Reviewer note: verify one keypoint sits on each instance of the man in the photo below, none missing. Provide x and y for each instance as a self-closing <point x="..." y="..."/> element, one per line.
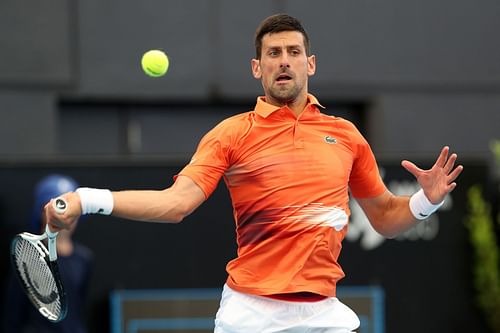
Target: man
<point x="288" y="168"/>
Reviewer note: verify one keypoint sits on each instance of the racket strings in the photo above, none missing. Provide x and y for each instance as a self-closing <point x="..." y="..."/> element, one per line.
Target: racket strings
<point x="37" y="277"/>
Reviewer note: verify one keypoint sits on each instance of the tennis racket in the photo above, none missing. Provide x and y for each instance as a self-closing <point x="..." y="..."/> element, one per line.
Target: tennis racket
<point x="37" y="270"/>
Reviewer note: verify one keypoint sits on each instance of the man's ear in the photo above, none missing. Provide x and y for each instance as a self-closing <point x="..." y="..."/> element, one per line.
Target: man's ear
<point x="311" y="65"/>
<point x="256" y="69"/>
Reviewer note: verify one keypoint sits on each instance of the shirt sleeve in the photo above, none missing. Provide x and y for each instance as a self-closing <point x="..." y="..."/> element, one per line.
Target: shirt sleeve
<point x="210" y="160"/>
<point x="365" y="180"/>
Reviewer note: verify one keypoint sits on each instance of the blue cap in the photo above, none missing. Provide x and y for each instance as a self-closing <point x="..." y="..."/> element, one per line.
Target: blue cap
<point x="47" y="188"/>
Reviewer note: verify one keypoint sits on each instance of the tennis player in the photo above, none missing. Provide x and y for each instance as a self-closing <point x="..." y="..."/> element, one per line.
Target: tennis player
<point x="288" y="168"/>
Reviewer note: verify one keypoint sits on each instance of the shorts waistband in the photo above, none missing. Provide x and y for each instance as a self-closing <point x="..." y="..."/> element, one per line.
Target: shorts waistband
<point x="303" y="296"/>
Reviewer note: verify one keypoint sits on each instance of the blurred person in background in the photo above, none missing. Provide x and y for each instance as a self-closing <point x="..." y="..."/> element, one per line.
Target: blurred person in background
<point x="74" y="261"/>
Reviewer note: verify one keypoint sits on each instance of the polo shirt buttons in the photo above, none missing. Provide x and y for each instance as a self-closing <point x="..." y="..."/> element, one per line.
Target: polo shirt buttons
<point x="299" y="143"/>
<point x="298" y="140"/>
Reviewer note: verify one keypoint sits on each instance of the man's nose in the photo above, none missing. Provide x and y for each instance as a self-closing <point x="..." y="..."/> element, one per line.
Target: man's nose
<point x="284" y="61"/>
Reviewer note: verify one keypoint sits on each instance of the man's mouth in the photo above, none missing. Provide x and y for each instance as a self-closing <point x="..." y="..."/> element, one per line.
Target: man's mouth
<point x="283" y="77"/>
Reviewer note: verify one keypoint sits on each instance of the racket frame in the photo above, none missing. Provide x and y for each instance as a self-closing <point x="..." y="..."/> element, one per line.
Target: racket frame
<point x="50" y="257"/>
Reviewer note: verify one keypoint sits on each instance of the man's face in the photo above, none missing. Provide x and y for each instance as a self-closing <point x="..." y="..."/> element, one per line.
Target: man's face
<point x="284" y="67"/>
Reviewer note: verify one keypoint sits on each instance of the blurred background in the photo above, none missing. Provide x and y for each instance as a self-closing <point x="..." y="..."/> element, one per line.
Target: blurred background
<point x="413" y="75"/>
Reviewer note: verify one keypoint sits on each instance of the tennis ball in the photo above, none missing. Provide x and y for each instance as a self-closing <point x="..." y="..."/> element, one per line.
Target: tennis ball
<point x="155" y="63"/>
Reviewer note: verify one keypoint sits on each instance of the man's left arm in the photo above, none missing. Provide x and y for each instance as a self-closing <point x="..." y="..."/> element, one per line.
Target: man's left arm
<point x="391" y="215"/>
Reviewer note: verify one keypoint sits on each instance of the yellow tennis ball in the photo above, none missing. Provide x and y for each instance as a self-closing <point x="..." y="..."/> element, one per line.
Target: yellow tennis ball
<point x="155" y="63"/>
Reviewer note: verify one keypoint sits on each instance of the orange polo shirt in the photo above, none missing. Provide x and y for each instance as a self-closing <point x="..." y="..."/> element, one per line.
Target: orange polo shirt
<point x="288" y="179"/>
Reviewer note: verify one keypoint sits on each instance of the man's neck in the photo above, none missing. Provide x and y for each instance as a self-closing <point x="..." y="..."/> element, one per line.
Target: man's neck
<point x="297" y="106"/>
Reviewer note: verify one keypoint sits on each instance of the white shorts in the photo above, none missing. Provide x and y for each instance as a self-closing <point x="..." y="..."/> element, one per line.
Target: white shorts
<point x="243" y="313"/>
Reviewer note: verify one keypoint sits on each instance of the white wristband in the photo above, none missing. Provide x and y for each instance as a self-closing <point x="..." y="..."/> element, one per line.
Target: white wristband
<point x="95" y="201"/>
<point x="421" y="207"/>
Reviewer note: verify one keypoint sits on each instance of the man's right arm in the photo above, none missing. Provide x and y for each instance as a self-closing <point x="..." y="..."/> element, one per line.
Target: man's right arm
<point x="170" y="205"/>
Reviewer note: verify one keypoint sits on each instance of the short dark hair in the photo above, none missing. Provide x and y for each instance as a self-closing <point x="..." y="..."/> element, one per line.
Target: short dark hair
<point x="278" y="23"/>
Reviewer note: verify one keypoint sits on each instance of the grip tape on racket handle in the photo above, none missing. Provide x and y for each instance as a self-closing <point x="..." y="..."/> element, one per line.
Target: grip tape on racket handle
<point x="60" y="205"/>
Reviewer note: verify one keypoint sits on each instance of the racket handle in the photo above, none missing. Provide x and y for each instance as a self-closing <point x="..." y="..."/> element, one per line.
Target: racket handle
<point x="60" y="206"/>
<point x="51" y="240"/>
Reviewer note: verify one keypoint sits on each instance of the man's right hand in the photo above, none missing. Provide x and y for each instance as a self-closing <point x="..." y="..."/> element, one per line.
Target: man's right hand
<point x="58" y="221"/>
